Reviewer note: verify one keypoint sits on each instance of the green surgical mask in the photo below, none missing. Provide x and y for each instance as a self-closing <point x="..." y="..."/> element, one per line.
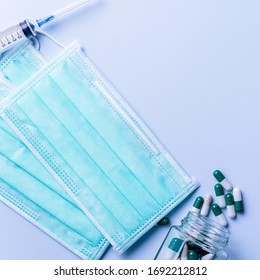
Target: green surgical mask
<point x="27" y="187"/>
<point x="96" y="147"/>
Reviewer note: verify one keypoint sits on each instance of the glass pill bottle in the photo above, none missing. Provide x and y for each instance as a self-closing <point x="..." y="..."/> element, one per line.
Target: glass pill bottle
<point x="197" y="238"/>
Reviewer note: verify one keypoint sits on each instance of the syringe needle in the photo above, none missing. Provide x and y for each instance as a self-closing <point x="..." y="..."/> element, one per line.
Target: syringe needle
<point x="63" y="11"/>
<point x="19" y="33"/>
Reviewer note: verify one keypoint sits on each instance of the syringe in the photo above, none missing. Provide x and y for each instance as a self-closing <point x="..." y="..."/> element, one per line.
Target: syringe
<point x="19" y="33"/>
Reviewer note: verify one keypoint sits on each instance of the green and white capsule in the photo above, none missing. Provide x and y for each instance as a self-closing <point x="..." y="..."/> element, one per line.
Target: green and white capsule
<point x="208" y="257"/>
<point x="239" y="207"/>
<point x="184" y="253"/>
<point x="192" y="256"/>
<point x="230" y="205"/>
<point x="219" y="191"/>
<point x="223" y="180"/>
<point x="206" y="205"/>
<point x="172" y="252"/>
<point x="219" y="215"/>
<point x="197" y="205"/>
<point x="163" y="222"/>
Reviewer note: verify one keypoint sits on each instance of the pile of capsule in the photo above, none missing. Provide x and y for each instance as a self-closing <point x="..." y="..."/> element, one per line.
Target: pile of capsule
<point x="231" y="200"/>
<point x="192" y="251"/>
<point x="202" y="205"/>
<point x="225" y="198"/>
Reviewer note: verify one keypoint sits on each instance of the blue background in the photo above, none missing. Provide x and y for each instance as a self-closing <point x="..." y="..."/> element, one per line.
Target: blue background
<point x="191" y="70"/>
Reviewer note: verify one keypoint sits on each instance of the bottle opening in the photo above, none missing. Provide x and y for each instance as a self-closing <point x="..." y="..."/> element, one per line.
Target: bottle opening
<point x="206" y="232"/>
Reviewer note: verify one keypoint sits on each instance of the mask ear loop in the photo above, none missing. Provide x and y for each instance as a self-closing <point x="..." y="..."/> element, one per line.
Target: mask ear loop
<point x="36" y="43"/>
<point x="41" y="32"/>
<point x="34" y="32"/>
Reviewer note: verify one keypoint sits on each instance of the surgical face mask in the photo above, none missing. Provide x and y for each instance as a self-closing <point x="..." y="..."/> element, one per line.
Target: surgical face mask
<point x="96" y="147"/>
<point x="27" y="187"/>
<point x="20" y="64"/>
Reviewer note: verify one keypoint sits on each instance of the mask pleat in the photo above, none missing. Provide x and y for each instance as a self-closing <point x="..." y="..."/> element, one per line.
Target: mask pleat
<point x="14" y="150"/>
<point x="96" y="148"/>
<point x="49" y="223"/>
<point x="26" y="185"/>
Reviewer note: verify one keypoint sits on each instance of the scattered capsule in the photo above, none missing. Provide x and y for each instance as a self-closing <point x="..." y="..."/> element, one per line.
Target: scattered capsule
<point x="197" y="204"/>
<point x="230" y="205"/>
<point x="206" y="205"/>
<point x="173" y="250"/>
<point x="219" y="191"/>
<point x="192" y="255"/>
<point x="163" y="222"/>
<point x="208" y="257"/>
<point x="184" y="253"/>
<point x="219" y="215"/>
<point x="223" y="180"/>
<point x="239" y="207"/>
